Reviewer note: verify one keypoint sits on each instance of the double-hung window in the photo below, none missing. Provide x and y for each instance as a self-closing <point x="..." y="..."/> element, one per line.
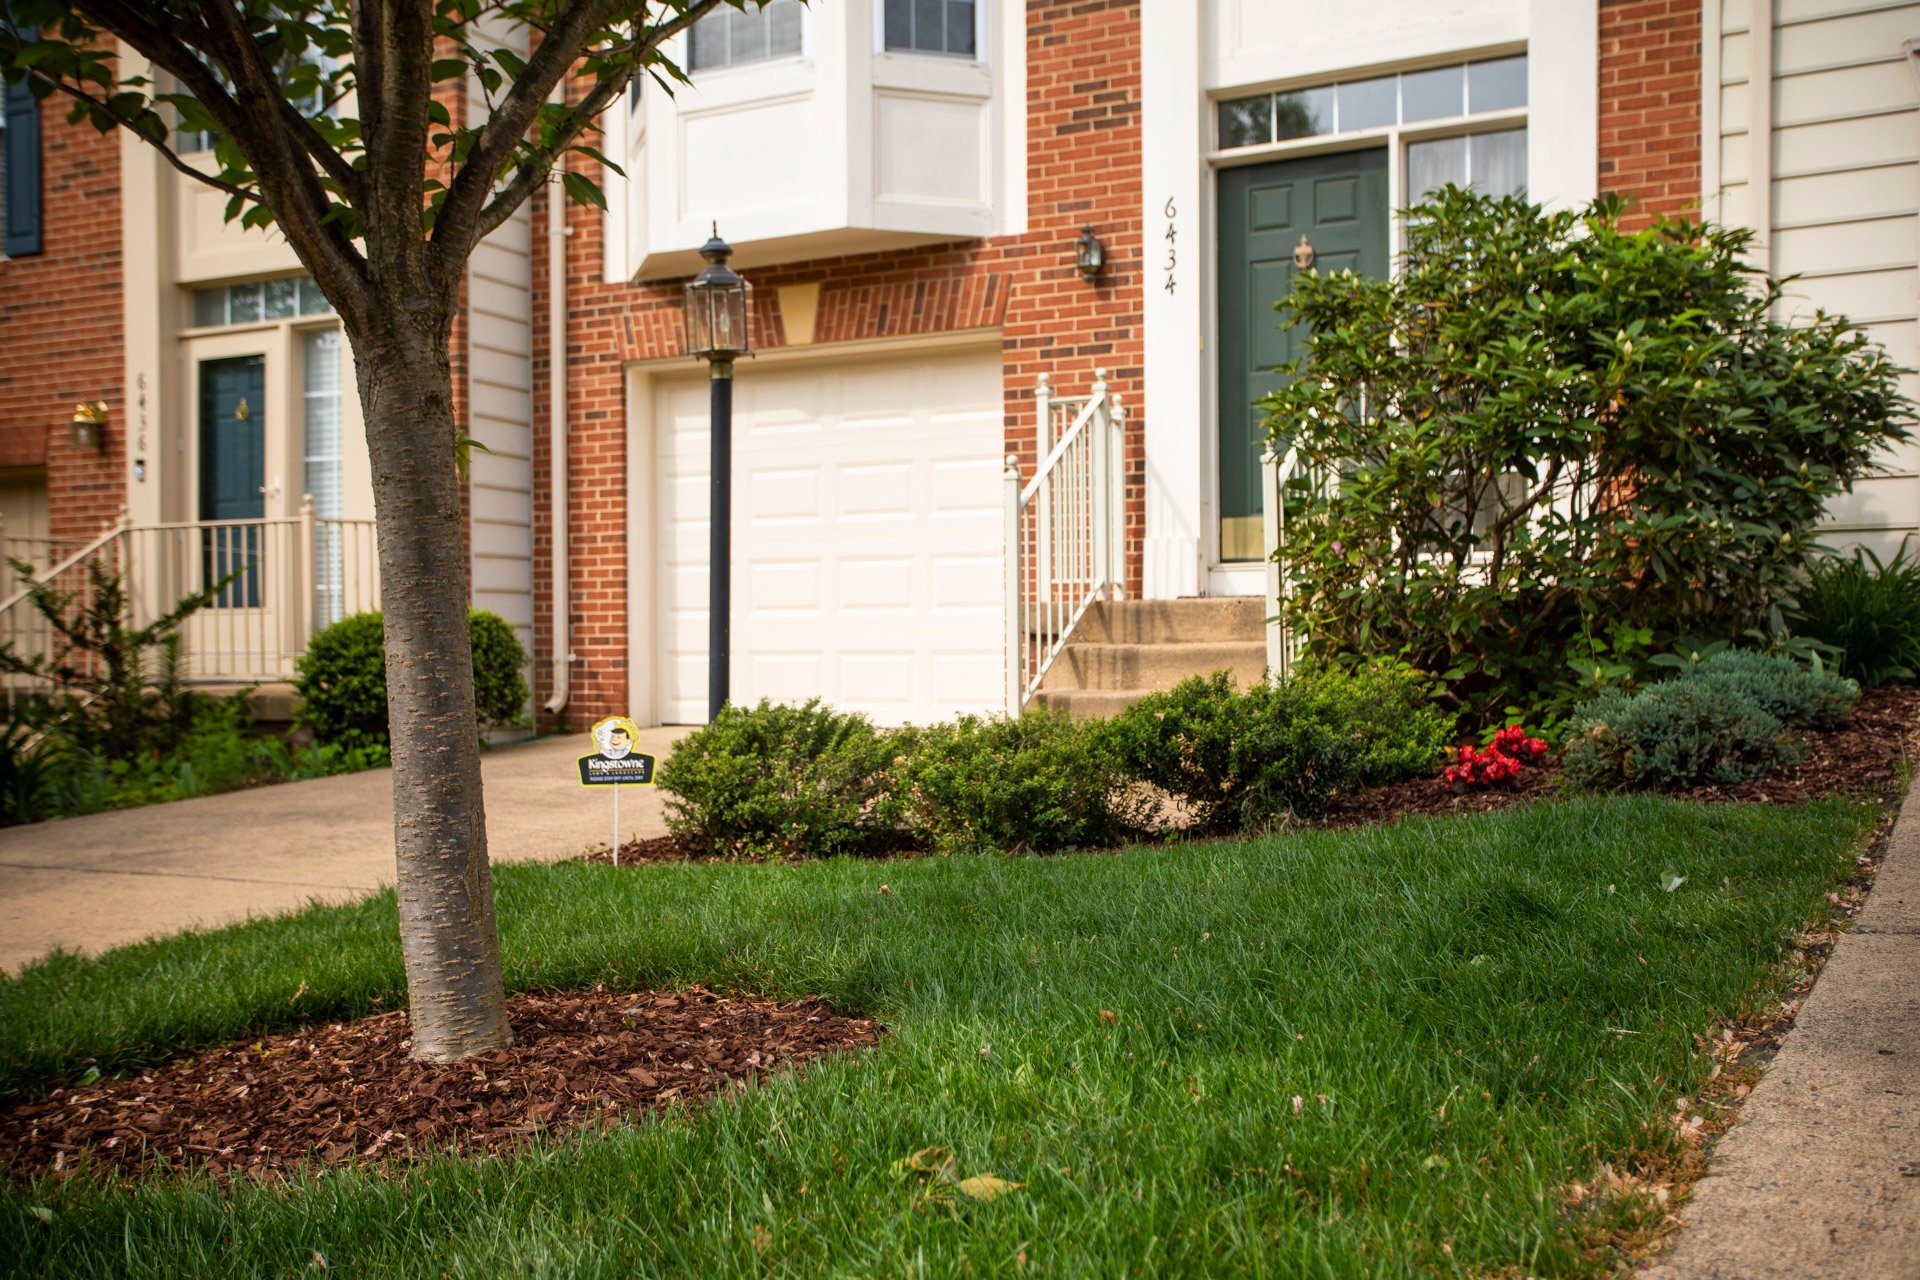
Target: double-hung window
<point x="731" y="37"/>
<point x="931" y="26"/>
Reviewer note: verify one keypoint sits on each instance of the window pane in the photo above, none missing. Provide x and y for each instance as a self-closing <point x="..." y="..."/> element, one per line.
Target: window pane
<point x="210" y="306"/>
<point x="1497" y="162"/>
<point x="243" y="303"/>
<point x="1247" y="122"/>
<point x="1433" y="95"/>
<point x="746" y="36"/>
<point x="1368" y="104"/>
<point x="280" y="299"/>
<point x="960" y="27"/>
<point x="709" y="47"/>
<point x="929" y="26"/>
<point x="312" y="301"/>
<point x="1431" y="165"/>
<point x="1497" y="85"/>
<point x="783" y="29"/>
<point x="899" y="24"/>
<point x="1303" y="113"/>
<point x="320" y="354"/>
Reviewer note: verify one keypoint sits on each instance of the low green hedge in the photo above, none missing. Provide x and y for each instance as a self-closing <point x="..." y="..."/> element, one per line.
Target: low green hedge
<point x="778" y="780"/>
<point x="1036" y="783"/>
<point x="342" y="679"/>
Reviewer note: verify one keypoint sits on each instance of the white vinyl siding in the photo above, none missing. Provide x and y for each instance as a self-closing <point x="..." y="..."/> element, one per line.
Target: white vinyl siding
<point x="1842" y="198"/>
<point x="500" y="402"/>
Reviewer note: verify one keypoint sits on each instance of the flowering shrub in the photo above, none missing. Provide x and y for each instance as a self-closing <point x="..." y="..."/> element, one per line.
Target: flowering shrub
<point x="1496" y="764"/>
<point x="1555" y="434"/>
<point x="1514" y="741"/>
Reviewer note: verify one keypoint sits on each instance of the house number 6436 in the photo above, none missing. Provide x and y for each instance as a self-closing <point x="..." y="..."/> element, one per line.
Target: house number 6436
<point x="1171" y="236"/>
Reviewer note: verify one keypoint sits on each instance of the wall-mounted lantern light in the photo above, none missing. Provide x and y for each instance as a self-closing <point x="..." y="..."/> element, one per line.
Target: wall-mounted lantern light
<point x="1089" y="255"/>
<point x="718" y="303"/>
<point x="87" y="429"/>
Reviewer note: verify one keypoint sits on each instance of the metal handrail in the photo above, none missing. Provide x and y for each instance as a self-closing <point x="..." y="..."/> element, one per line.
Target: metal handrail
<point x="1071" y="516"/>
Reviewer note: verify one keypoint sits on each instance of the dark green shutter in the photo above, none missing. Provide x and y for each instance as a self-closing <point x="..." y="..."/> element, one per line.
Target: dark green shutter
<point x="22" y="194"/>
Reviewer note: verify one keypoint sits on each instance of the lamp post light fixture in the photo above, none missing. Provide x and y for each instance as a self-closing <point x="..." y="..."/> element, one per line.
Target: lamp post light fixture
<point x="718" y="303"/>
<point x="1089" y="255"/>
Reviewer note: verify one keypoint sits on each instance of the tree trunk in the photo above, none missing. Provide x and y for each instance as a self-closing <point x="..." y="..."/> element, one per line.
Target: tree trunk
<point x="447" y="932"/>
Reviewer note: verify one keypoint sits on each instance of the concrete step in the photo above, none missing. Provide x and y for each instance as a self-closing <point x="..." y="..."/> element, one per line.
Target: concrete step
<point x="1192" y="621"/>
<point x="1088" y="666"/>
<point x="1089" y="704"/>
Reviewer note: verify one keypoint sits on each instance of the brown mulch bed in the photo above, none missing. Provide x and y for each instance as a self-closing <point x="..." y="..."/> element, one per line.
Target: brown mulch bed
<point x="1860" y="758"/>
<point x="347" y="1092"/>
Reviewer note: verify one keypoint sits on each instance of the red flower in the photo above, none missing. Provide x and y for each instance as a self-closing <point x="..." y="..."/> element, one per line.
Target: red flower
<point x="1498" y="764"/>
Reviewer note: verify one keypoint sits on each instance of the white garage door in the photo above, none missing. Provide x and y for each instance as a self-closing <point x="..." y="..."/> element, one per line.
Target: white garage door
<point x="866" y="537"/>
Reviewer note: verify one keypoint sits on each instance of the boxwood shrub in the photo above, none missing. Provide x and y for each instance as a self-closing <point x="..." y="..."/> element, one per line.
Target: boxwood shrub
<point x="342" y="679"/>
<point x="779" y="781"/>
<point x="1036" y="783"/>
<point x="1245" y="760"/>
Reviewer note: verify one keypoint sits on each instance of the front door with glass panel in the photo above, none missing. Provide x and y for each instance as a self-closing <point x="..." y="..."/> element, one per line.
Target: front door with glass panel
<point x="233" y="474"/>
<point x="1327" y="212"/>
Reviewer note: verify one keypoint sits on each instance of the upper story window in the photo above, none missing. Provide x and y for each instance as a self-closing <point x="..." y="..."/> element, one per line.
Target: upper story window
<point x="315" y="103"/>
<point x="19" y="170"/>
<point x="729" y="37"/>
<point x="930" y="26"/>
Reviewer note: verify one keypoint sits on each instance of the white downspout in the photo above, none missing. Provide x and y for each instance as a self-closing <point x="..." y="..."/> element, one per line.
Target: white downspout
<point x="557" y="426"/>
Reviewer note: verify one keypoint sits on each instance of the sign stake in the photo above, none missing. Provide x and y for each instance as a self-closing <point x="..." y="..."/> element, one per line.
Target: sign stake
<point x="616" y="762"/>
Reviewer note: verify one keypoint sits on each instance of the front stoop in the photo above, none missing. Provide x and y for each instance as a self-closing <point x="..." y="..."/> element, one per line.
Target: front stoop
<point x="1124" y="650"/>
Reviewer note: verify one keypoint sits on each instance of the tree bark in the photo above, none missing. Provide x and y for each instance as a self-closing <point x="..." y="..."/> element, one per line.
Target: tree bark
<point x="457" y="1002"/>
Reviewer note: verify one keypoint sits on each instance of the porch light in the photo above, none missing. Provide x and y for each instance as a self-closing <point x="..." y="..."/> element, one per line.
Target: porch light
<point x="87" y="428"/>
<point x="718" y="302"/>
<point x="1089" y="255"/>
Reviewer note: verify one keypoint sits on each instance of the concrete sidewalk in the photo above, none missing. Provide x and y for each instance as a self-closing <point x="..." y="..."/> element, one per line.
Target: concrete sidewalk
<point x="1821" y="1176"/>
<point x="98" y="881"/>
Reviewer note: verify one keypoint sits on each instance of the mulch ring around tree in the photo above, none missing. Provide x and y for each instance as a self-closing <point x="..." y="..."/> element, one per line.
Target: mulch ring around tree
<point x="347" y="1092"/>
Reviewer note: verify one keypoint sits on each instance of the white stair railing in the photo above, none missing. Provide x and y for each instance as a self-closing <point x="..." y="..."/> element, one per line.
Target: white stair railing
<point x="1277" y="470"/>
<point x="1065" y="529"/>
<point x="295" y="574"/>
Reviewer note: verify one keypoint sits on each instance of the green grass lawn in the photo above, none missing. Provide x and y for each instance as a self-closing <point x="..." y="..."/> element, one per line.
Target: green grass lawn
<point x="1490" y="1005"/>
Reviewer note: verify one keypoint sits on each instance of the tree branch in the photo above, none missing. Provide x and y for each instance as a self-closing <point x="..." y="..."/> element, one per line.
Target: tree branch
<point x="290" y="189"/>
<point x="172" y="157"/>
<point x="468" y="214"/>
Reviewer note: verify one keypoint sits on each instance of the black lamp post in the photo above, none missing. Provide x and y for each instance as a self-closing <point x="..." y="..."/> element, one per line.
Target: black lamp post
<point x="718" y="303"/>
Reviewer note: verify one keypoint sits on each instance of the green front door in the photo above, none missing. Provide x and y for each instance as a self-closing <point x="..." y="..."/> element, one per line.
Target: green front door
<point x="233" y="473"/>
<point x="1339" y="204"/>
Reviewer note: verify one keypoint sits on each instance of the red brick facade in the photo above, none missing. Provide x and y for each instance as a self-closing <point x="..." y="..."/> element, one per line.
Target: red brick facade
<point x="1083" y="166"/>
<point x="62" y="336"/>
<point x="1650" y="105"/>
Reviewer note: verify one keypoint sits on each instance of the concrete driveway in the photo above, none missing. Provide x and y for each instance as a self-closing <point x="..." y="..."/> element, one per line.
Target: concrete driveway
<point x="99" y="881"/>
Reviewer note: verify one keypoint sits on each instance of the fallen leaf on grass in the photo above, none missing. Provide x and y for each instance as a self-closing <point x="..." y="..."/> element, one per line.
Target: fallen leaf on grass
<point x="985" y="1186"/>
<point x="937" y="1161"/>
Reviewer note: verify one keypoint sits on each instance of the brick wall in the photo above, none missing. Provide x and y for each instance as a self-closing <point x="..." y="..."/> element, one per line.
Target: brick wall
<point x="1650" y="105"/>
<point x="1083" y="140"/>
<point x="62" y="337"/>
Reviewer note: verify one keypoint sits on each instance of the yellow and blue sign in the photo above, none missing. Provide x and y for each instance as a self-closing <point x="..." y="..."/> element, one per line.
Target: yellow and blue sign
<point x="616" y="761"/>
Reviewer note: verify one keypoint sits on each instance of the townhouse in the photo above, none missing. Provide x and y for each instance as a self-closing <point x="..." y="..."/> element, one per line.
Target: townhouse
<point x="913" y="188"/>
